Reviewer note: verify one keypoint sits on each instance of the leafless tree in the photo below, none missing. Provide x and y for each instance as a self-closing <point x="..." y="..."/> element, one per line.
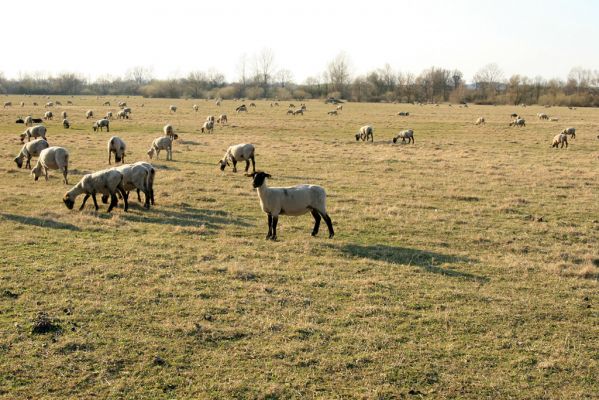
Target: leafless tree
<point x="264" y="66"/>
<point x="338" y="73"/>
<point x="139" y="75"/>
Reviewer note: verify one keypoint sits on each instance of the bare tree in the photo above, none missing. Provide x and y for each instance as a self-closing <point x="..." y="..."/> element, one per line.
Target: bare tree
<point x="338" y="73"/>
<point x="488" y="79"/>
<point x="139" y="75"/>
<point x="284" y="76"/>
<point x="242" y="69"/>
<point x="264" y="66"/>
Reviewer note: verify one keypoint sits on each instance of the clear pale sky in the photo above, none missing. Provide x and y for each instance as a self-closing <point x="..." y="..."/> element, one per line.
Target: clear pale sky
<point x="174" y="37"/>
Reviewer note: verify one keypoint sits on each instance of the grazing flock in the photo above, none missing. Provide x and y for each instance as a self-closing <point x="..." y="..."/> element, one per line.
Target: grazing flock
<point x="117" y="182"/>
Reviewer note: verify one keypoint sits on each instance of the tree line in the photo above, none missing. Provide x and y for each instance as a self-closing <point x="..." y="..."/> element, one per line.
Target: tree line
<point x="258" y="78"/>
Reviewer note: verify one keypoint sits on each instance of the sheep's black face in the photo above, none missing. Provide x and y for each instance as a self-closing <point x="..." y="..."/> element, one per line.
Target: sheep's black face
<point x="222" y="165"/>
<point x="19" y="162"/>
<point x="259" y="178"/>
<point x="117" y="158"/>
<point x="357" y="137"/>
<point x="68" y="202"/>
<point x="394" y="140"/>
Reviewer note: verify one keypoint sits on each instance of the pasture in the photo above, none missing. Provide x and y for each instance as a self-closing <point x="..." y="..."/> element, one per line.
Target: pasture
<point x="463" y="266"/>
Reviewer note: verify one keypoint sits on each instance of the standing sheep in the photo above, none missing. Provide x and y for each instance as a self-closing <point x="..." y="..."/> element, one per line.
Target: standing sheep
<point x="208" y="127"/>
<point x="169" y="130"/>
<point x="570" y="131"/>
<point x="135" y="177"/>
<point x="108" y="115"/>
<point x="63" y="115"/>
<point x="294" y="201"/>
<point x="239" y="152"/>
<point x="365" y="132"/>
<point x="151" y="177"/>
<point x="35" y="131"/>
<point x="66" y="124"/>
<point x="48" y="115"/>
<point x="222" y="119"/>
<point x="29" y="150"/>
<point x="117" y="146"/>
<point x="480" y="121"/>
<point x="108" y="181"/>
<point x="196" y="108"/>
<point x="560" y="138"/>
<point x="89" y="114"/>
<point x="7" y="104"/>
<point x="162" y="143"/>
<point x="52" y="158"/>
<point x="403" y="135"/>
<point x="28" y="120"/>
<point x="519" y="122"/>
<point x="101" y="124"/>
<point x="172" y="108"/>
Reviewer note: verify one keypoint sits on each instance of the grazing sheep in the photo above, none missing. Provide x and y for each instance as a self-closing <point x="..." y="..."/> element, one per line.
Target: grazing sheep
<point x="135" y="177"/>
<point x="290" y="111"/>
<point x="365" y="132"/>
<point x="150" y="183"/>
<point x="35" y="131"/>
<point x="210" y="118"/>
<point x="339" y="108"/>
<point x="66" y="124"/>
<point x="403" y="114"/>
<point x="127" y="111"/>
<point x="122" y="115"/>
<point x="222" y="119"/>
<point x="37" y="120"/>
<point x="22" y="104"/>
<point x="239" y="152"/>
<point x="162" y="143"/>
<point x="35" y="104"/>
<point x="107" y="181"/>
<point x="122" y="104"/>
<point x="514" y="115"/>
<point x="570" y="131"/>
<point x="101" y="124"/>
<point x="7" y="104"/>
<point x="172" y="108"/>
<point x="218" y="102"/>
<point x="560" y="138"/>
<point x="252" y="104"/>
<point x="519" y="122"/>
<point x="208" y="127"/>
<point x="20" y="120"/>
<point x="49" y="104"/>
<point x="58" y="103"/>
<point x="195" y="107"/>
<point x="48" y="115"/>
<point x="294" y="201"/>
<point x="542" y="116"/>
<point x="29" y="150"/>
<point x="52" y="158"/>
<point x="291" y="105"/>
<point x="241" y="108"/>
<point x="63" y="114"/>
<point x="107" y="104"/>
<point x="169" y="130"/>
<point x="333" y="112"/>
<point x="298" y="111"/>
<point x="403" y="135"/>
<point x="480" y="121"/>
<point x="117" y="146"/>
<point x="554" y="119"/>
<point x="276" y="104"/>
<point x="89" y="114"/>
<point x="69" y="102"/>
<point x="108" y="115"/>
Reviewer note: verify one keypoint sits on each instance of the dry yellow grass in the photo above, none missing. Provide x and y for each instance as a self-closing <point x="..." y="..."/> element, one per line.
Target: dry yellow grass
<point x="464" y="266"/>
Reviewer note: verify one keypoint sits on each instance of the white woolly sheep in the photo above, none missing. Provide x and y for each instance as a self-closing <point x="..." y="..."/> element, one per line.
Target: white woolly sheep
<point x="241" y="108"/>
<point x="52" y="158"/>
<point x="49" y="104"/>
<point x="217" y="102"/>
<point x="122" y="115"/>
<point x="570" y="131"/>
<point x="560" y="138"/>
<point x="172" y="108"/>
<point x="48" y="115"/>
<point x="339" y="108"/>
<point x="107" y="181"/>
<point x="162" y="143"/>
<point x="169" y="130"/>
<point x="333" y="112"/>
<point x="108" y="115"/>
<point x="298" y="111"/>
<point x="117" y="146"/>
<point x="240" y="152"/>
<point x="101" y="124"/>
<point x="122" y="104"/>
<point x="63" y="115"/>
<point x="542" y="116"/>
<point x="29" y="150"/>
<point x="127" y="111"/>
<point x="210" y="118"/>
<point x="89" y="114"/>
<point x="66" y="124"/>
<point x="135" y="177"/>
<point x="294" y="201"/>
<point x="222" y="119"/>
<point x="7" y="104"/>
<point x="28" y="120"/>
<point x="35" y="131"/>
<point x="403" y="135"/>
<point x="480" y="121"/>
<point x="150" y="183"/>
<point x="196" y="108"/>
<point x="58" y="103"/>
<point x="22" y="104"/>
<point x="519" y="122"/>
<point x="365" y="132"/>
<point x="208" y="127"/>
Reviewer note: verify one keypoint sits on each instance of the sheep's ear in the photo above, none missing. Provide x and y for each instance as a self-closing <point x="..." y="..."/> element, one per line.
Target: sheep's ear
<point x="267" y="175"/>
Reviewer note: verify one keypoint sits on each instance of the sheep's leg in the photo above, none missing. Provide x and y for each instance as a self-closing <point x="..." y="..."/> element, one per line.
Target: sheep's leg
<point x="46" y="172"/>
<point x="275" y="219"/>
<point x="109" y="154"/>
<point x="234" y="164"/>
<point x="95" y="201"/>
<point x="113" y="202"/>
<point x="139" y="197"/>
<point x="247" y="165"/>
<point x="327" y="219"/>
<point x="316" y="216"/>
<point x="125" y="197"/>
<point x="269" y="235"/>
<point x="65" y="172"/>
<point x="84" y="200"/>
<point x="253" y="164"/>
<point x="28" y="164"/>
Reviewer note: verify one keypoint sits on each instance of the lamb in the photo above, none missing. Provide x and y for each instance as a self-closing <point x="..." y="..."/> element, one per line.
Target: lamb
<point x="89" y="114"/>
<point x="239" y="152"/>
<point x="35" y="131"/>
<point x="172" y="108"/>
<point x="48" y="115"/>
<point x="30" y="150"/>
<point x="403" y="135"/>
<point x="7" y="104"/>
<point x="100" y="124"/>
<point x="63" y="115"/>
<point x="208" y="127"/>
<point x="169" y="130"/>
<point x="222" y="119"/>
<point x="135" y="177"/>
<point x="195" y="107"/>
<point x="560" y="138"/>
<point x="480" y="121"/>
<point x="162" y="143"/>
<point x="333" y="112"/>
<point x="108" y="181"/>
<point x="117" y="146"/>
<point x="66" y="124"/>
<point x="295" y="201"/>
<point x="519" y="122"/>
<point x="52" y="158"/>
<point x="570" y="131"/>
<point x="365" y="132"/>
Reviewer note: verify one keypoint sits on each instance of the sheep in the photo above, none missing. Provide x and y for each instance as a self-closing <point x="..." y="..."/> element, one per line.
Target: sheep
<point x="52" y="158"/>
<point x="108" y="115"/>
<point x="150" y="183"/>
<point x="35" y="131"/>
<point x="135" y="177"/>
<point x="20" y="120"/>
<point x="560" y="138"/>
<point x="303" y="107"/>
<point x="218" y="103"/>
<point x="127" y="111"/>
<point x="69" y="102"/>
<point x="108" y="181"/>
<point x="403" y="135"/>
<point x="570" y="131"/>
<point x="106" y="103"/>
<point x="291" y="105"/>
<point x="222" y="119"/>
<point x="241" y="108"/>
<point x="542" y="116"/>
<point x="333" y="112"/>
<point x="122" y="115"/>
<point x="22" y="104"/>
<point x="294" y="201"/>
<point x="7" y="104"/>
<point x="276" y="104"/>
<point x="403" y="114"/>
<point x="49" y="104"/>
<point x="89" y="114"/>
<point x="122" y="104"/>
<point x="195" y="107"/>
<point x="518" y="122"/>
<point x="252" y="104"/>
<point x="208" y="127"/>
<point x="58" y="103"/>
<point x="480" y="121"/>
<point x="298" y="111"/>
<point x="63" y="115"/>
<point x="168" y="130"/>
<point x="239" y="152"/>
<point x="514" y="115"/>
<point x="554" y="119"/>
<point x="66" y="124"/>
<point x="210" y="118"/>
<point x="162" y="143"/>
<point x="48" y="115"/>
<point x="100" y="124"/>
<point x="365" y="132"/>
<point x="117" y="146"/>
<point x="172" y="108"/>
<point x="35" y="104"/>
<point x="290" y="111"/>
<point x="30" y="150"/>
<point x="339" y="108"/>
<point x="37" y="120"/>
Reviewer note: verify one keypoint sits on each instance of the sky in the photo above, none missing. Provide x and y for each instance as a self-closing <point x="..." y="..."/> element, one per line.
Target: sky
<point x="172" y="38"/>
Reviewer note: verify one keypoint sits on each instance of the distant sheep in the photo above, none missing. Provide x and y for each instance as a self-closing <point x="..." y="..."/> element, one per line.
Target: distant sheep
<point x="29" y="150"/>
<point x="169" y="130"/>
<point x="298" y="111"/>
<point x="542" y="116"/>
<point x="66" y="124"/>
<point x="28" y="120"/>
<point x="290" y="111"/>
<point x="89" y="114"/>
<point x="122" y="104"/>
<point x="107" y="104"/>
<point x="58" y="103"/>
<point x="108" y="181"/>
<point x="122" y="115"/>
<point x="480" y="121"/>
<point x="339" y="108"/>
<point x="403" y="114"/>
<point x="63" y="114"/>
<point x="117" y="146"/>
<point x="162" y="143"/>
<point x="208" y="127"/>
<point x="560" y="138"/>
<point x="196" y="108"/>
<point x="403" y="135"/>
<point x="48" y="115"/>
<point x="49" y="104"/>
<point x="7" y="104"/>
<point x="514" y="115"/>
<point x="52" y="158"/>
<point x="364" y="133"/>
<point x="240" y="152"/>
<point x="108" y="115"/>
<point x="35" y="132"/>
<point x="22" y="104"/>
<point x="252" y="104"/>
<point x="570" y="131"/>
<point x="519" y="122"/>
<point x="241" y="108"/>
<point x="218" y="102"/>
<point x="333" y="112"/>
<point x="172" y="108"/>
<point x="222" y="119"/>
<point x="554" y="119"/>
<point x="101" y="124"/>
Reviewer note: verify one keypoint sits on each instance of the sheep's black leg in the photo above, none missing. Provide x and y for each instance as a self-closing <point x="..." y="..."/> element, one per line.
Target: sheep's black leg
<point x="84" y="200"/>
<point x="113" y="202"/>
<point x="253" y="164"/>
<point x="138" y="196"/>
<point x="247" y="166"/>
<point x="327" y="219"/>
<point x="65" y="173"/>
<point x="269" y="227"/>
<point x="95" y="201"/>
<point x="234" y="165"/>
<point x="104" y="198"/>
<point x="147" y="202"/>
<point x="274" y="228"/>
<point x="152" y="196"/>
<point x="316" y="216"/>
<point x="125" y="197"/>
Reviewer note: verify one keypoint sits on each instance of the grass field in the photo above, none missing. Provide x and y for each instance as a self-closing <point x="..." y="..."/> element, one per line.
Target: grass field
<point x="464" y="266"/>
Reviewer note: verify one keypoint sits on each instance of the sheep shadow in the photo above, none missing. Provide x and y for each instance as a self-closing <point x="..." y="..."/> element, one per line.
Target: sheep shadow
<point x="426" y="260"/>
<point x="36" y="221"/>
<point x="186" y="217"/>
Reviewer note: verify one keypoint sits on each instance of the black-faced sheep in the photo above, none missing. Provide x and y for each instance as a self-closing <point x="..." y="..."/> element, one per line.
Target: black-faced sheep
<point x="364" y="133"/>
<point x="117" y="146"/>
<point x="52" y="158"/>
<point x="403" y="135"/>
<point x="162" y="143"/>
<point x="240" y="152"/>
<point x="35" y="131"/>
<point x="29" y="150"/>
<point x="108" y="181"/>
